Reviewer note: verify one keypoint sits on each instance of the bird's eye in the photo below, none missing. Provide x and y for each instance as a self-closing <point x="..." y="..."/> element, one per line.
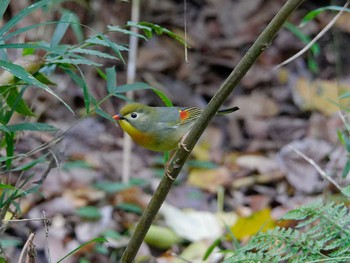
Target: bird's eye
<point x="133" y="115"/>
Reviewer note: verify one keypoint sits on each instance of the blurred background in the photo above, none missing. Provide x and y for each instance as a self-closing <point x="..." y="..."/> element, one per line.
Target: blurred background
<point x="242" y="172"/>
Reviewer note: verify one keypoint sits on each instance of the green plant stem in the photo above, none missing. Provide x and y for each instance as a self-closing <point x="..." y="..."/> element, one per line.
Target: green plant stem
<point x="221" y="95"/>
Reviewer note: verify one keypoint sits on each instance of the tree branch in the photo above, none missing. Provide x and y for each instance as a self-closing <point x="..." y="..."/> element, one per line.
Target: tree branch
<point x="221" y="95"/>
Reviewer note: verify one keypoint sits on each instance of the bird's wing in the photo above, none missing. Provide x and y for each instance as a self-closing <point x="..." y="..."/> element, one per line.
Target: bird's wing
<point x="188" y="115"/>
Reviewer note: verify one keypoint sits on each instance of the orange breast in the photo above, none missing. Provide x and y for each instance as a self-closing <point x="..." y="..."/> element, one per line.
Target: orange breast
<point x="143" y="139"/>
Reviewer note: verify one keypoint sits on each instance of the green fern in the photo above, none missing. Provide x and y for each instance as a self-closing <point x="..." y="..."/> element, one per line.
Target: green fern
<point x="321" y="235"/>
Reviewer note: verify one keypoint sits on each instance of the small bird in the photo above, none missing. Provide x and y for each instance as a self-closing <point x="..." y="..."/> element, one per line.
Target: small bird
<point x="159" y="128"/>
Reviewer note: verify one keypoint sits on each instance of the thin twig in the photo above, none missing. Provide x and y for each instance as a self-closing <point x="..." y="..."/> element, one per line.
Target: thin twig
<point x="181" y="155"/>
<point x="24" y="220"/>
<point x="52" y="164"/>
<point x="131" y="75"/>
<point x="26" y="245"/>
<point x="313" y="41"/>
<point x="317" y="167"/>
<point x="185" y="26"/>
<point x="46" y="225"/>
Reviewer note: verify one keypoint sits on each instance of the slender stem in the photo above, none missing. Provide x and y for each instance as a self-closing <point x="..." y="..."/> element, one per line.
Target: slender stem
<point x="131" y="75"/>
<point x="221" y="95"/>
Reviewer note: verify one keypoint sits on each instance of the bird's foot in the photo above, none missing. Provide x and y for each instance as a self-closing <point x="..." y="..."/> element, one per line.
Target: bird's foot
<point x="168" y="173"/>
<point x="182" y="143"/>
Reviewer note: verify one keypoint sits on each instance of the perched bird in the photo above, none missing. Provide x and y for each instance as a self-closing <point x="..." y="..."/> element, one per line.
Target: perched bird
<point x="159" y="128"/>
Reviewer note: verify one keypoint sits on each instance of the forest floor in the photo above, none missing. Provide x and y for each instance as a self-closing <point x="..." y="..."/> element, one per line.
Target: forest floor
<point x="245" y="171"/>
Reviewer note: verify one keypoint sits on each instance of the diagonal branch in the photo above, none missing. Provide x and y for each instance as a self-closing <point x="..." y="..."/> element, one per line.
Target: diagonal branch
<point x="221" y="95"/>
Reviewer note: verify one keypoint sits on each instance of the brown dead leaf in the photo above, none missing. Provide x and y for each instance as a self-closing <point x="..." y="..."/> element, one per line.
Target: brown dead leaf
<point x="343" y="22"/>
<point x="255" y="162"/>
<point x="300" y="173"/>
<point x="319" y="95"/>
<point x="209" y="180"/>
<point x="133" y="195"/>
<point x="255" y="105"/>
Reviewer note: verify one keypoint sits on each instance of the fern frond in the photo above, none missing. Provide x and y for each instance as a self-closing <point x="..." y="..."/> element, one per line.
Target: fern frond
<point x="321" y="235"/>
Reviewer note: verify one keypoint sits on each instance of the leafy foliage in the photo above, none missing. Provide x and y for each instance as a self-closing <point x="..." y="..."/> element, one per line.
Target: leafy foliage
<point x="32" y="71"/>
<point x="321" y="235"/>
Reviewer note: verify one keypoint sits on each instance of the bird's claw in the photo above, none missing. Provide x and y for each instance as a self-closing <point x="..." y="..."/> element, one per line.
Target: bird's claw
<point x="168" y="174"/>
<point x="182" y="144"/>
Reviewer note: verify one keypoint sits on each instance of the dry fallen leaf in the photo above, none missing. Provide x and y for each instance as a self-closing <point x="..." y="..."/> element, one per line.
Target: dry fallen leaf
<point x="300" y="173"/>
<point x="209" y="179"/>
<point x="343" y="22"/>
<point x="255" y="162"/>
<point x="192" y="225"/>
<point x="319" y="95"/>
<point x="258" y="222"/>
<point x="255" y="105"/>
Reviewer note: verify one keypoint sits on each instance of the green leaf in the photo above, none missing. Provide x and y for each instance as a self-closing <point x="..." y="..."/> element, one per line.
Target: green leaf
<point x="22" y="74"/>
<point x="111" y="76"/>
<point x="61" y="28"/>
<point x="110" y="233"/>
<point x="23" y="13"/>
<point x="346" y="169"/>
<point x="99" y="239"/>
<point x="148" y="27"/>
<point x="103" y="114"/>
<point x="31" y="164"/>
<point x="346" y="191"/>
<point x="96" y="40"/>
<point x="89" y="212"/>
<point x="82" y="84"/>
<point x="10" y="187"/>
<point x="202" y="164"/>
<point x="75" y="61"/>
<point x="92" y="52"/>
<point x="163" y="97"/>
<point x="9" y="242"/>
<point x="27" y="28"/>
<point x="125" y="31"/>
<point x="76" y="164"/>
<point x="315" y="48"/>
<point x="345" y="95"/>
<point x="44" y="79"/>
<point x="76" y="27"/>
<point x="15" y="102"/>
<point x="211" y="248"/>
<point x="10" y="148"/>
<point x="28" y="51"/>
<point x="42" y="45"/>
<point x="113" y="46"/>
<point x="4" y="128"/>
<point x="101" y="73"/>
<point x="31" y="126"/>
<point x="312" y="14"/>
<point x="3" y="7"/>
<point x="346" y="140"/>
<point x="111" y="187"/>
<point x="3" y="52"/>
<point x="130" y="208"/>
<point x="130" y="87"/>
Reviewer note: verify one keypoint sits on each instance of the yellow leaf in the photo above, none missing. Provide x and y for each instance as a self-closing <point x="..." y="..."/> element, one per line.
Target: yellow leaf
<point x="209" y="179"/>
<point x="259" y="221"/>
<point x="319" y="95"/>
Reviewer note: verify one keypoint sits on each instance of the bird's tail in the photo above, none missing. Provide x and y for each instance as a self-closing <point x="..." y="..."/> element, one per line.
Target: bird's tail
<point x="227" y="111"/>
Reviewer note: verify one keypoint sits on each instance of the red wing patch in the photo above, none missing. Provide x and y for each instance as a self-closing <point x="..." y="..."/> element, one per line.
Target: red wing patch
<point x="184" y="114"/>
<point x="189" y="114"/>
